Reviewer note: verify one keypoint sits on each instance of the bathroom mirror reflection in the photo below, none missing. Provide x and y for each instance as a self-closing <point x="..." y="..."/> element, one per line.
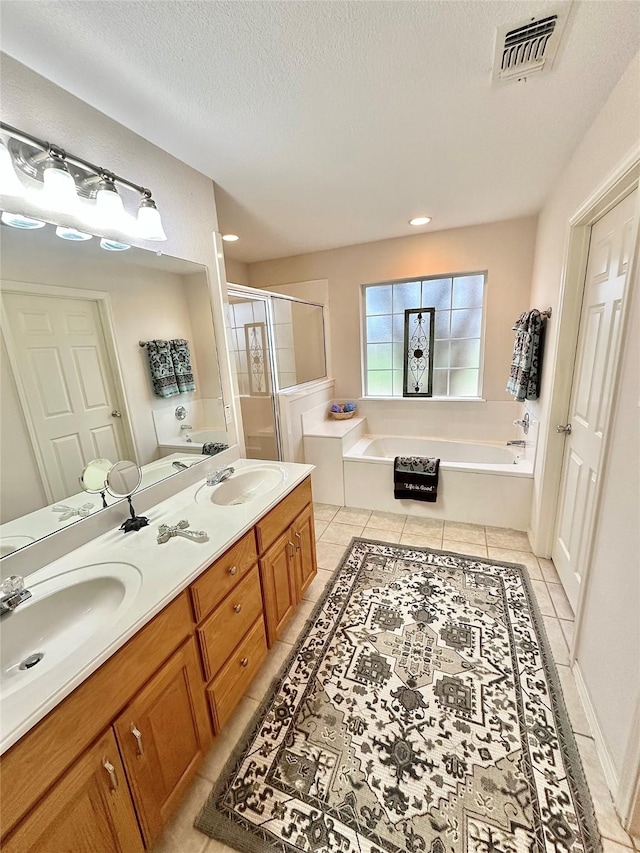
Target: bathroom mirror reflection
<point x="76" y="383"/>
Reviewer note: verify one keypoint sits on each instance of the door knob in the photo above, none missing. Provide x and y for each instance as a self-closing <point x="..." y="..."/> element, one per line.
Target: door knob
<point x="116" y="414"/>
<point x="566" y="429"/>
<point x="237" y="608"/>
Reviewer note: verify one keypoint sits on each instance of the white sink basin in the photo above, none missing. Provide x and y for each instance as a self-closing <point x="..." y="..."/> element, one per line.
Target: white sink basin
<point x="244" y="486"/>
<point x="62" y="614"/>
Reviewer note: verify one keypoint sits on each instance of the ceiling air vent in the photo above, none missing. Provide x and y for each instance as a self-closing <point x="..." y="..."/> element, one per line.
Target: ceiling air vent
<point x="528" y="48"/>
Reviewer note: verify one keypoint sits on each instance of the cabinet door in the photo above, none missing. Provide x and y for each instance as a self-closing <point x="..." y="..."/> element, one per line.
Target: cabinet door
<point x="163" y="734"/>
<point x="89" y="810"/>
<point x="277" y="573"/>
<point x="304" y="538"/>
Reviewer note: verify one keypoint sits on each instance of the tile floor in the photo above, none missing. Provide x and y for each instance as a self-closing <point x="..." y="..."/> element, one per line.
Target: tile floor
<point x="335" y="526"/>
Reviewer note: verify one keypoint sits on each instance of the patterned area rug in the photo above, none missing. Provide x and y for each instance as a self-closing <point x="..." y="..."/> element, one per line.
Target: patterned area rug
<point x="420" y="712"/>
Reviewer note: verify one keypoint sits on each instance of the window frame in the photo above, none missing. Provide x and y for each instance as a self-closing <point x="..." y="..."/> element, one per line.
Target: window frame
<point x="408" y="280"/>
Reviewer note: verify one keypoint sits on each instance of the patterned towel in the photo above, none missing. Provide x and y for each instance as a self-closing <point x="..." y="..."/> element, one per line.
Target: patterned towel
<point x="181" y="358"/>
<point x="524" y="378"/>
<point x="416" y="478"/>
<point x="210" y="448"/>
<point x="163" y="375"/>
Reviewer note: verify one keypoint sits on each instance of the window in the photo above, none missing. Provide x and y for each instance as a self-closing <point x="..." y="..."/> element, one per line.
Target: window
<point x="457" y="353"/>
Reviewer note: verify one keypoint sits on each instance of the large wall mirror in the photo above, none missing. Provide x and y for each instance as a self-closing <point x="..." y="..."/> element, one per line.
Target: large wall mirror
<point x="77" y="384"/>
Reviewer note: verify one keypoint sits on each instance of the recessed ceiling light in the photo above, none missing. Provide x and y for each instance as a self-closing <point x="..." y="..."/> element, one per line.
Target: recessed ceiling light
<point x="420" y="220"/>
<point x="230" y="238"/>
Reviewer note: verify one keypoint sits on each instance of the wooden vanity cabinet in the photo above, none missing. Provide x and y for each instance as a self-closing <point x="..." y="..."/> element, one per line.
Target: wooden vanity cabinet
<point x="102" y="772"/>
<point x="304" y="538"/>
<point x="90" y="809"/>
<point x="278" y="575"/>
<point x="287" y="565"/>
<point x="163" y="735"/>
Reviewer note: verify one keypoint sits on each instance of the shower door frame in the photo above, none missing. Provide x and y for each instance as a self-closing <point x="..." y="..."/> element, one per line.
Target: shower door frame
<point x="242" y="291"/>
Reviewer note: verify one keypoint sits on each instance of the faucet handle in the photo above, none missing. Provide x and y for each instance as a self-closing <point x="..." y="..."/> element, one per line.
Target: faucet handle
<point x="12" y="584"/>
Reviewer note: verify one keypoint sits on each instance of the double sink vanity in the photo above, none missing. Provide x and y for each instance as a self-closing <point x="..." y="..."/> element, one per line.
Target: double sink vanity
<point x="131" y="655"/>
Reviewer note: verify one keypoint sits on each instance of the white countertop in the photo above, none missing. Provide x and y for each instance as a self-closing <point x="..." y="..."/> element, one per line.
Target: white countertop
<point x="164" y="571"/>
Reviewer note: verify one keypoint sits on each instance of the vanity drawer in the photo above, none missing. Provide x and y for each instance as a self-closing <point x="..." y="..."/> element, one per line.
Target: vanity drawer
<point x="212" y="586"/>
<point x="230" y="621"/>
<point x="230" y="685"/>
<point x="281" y="516"/>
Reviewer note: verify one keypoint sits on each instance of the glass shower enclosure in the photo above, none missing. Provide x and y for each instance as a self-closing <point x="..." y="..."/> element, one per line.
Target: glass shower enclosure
<point x="277" y="342"/>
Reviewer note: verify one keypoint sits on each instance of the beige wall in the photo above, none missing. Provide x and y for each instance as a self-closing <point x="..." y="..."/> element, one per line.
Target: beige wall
<point x="504" y="249"/>
<point x="237" y="272"/>
<point x="608" y="646"/>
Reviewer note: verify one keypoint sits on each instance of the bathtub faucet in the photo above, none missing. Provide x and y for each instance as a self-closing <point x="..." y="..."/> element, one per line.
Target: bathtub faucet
<point x="516" y="444"/>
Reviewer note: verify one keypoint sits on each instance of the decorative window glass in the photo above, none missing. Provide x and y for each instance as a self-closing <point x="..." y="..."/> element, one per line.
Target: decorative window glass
<point x="256" y="349"/>
<point x="418" y="352"/>
<point x="457" y="302"/>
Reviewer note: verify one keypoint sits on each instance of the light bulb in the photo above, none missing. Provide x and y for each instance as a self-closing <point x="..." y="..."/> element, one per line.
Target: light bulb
<point x="149" y="221"/>
<point x="72" y="234"/>
<point x="230" y="238"/>
<point x="9" y="183"/>
<point x="109" y="205"/>
<point x="59" y="187"/>
<point x="113" y="245"/>
<point x="17" y="220"/>
<point x="420" y="220"/>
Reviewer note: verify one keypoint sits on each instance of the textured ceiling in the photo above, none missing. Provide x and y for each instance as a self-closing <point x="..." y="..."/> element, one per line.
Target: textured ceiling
<point x="331" y="123"/>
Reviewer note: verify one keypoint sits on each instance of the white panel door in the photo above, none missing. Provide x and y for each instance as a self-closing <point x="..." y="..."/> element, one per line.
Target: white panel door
<point x="64" y="369"/>
<point x="604" y="289"/>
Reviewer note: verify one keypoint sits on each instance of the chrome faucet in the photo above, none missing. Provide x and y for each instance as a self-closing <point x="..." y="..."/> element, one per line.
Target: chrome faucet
<point x="219" y="476"/>
<point x="13" y="594"/>
<point x="516" y="444"/>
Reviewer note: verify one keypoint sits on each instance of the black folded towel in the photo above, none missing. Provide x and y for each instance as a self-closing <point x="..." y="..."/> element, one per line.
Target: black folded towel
<point x="416" y="478"/>
<point x="211" y="448"/>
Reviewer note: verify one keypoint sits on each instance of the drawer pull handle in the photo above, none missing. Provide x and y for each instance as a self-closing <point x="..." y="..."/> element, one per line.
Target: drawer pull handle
<point x="299" y="538"/>
<point x="111" y="770"/>
<point x="233" y="570"/>
<point x="293" y="548"/>
<point x="237" y="608"/>
<point x="244" y="662"/>
<point x="135" y="731"/>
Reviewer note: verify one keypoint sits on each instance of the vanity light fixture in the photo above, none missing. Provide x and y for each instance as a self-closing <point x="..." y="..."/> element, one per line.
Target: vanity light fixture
<point x="230" y="238"/>
<point x="65" y="178"/>
<point x="17" y="220"/>
<point x="72" y="234"/>
<point x="149" y="222"/>
<point x="109" y="206"/>
<point x="113" y="245"/>
<point x="9" y="181"/>
<point x="59" y="190"/>
<point x="420" y="220"/>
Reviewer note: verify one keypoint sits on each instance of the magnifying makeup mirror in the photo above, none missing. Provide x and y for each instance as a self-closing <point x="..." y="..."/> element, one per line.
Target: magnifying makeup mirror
<point x="123" y="480"/>
<point x="94" y="477"/>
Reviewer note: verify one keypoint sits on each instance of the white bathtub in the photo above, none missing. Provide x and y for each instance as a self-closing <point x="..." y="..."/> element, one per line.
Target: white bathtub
<point x="481" y="483"/>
